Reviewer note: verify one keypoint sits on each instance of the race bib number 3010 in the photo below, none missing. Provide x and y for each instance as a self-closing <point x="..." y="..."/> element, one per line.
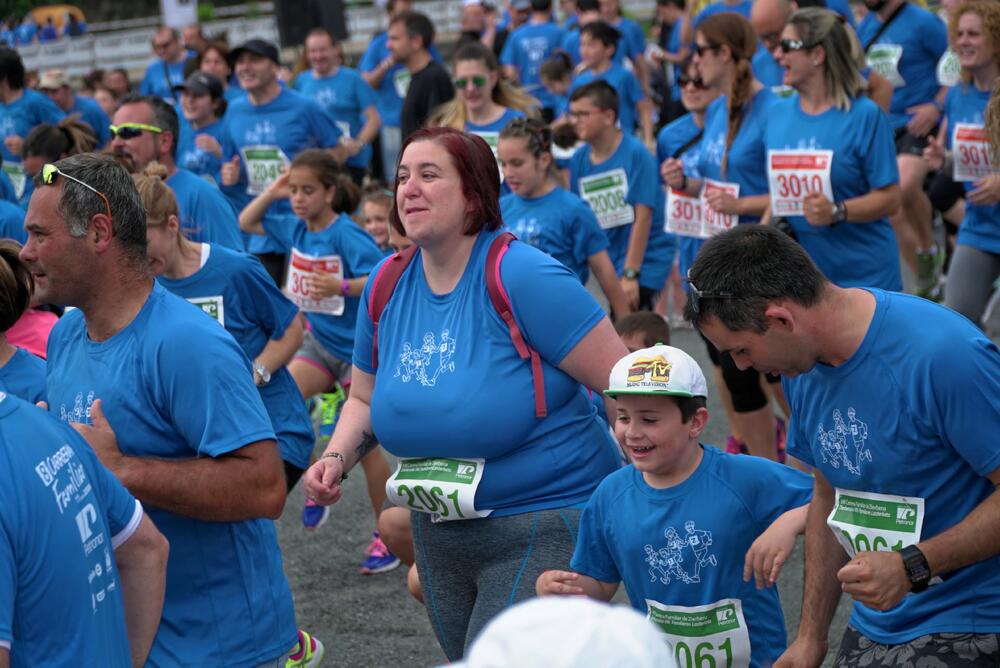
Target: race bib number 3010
<point x="712" y="221"/>
<point x="793" y="174"/>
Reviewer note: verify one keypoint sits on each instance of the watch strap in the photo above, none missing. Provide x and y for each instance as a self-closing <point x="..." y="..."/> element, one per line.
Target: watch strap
<point x="918" y="571"/>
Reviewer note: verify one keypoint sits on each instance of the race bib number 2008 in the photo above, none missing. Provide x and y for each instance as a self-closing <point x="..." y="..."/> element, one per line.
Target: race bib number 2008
<point x="607" y="195"/>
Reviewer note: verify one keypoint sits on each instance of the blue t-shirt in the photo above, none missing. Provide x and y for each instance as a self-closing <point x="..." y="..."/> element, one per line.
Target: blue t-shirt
<point x="358" y="253"/>
<point x="175" y="385"/>
<point x="981" y="226"/>
<point x="914" y="412"/>
<point x="12" y="222"/>
<point x="161" y="77"/>
<point x="291" y="122"/>
<point x="767" y="70"/>
<point x="203" y="163"/>
<point x="392" y="90"/>
<point x="558" y="223"/>
<point x="660" y="249"/>
<point x="571" y="45"/>
<point x="345" y="96"/>
<point x="18" y="118"/>
<point x="906" y="54"/>
<point x="235" y="289"/>
<point x="742" y="8"/>
<point x="450" y="358"/>
<point x="681" y="546"/>
<point x="7" y="189"/>
<point x="633" y="40"/>
<point x="628" y="87"/>
<point x="23" y="376"/>
<point x="62" y="515"/>
<point x="864" y="159"/>
<point x="637" y="166"/>
<point x="206" y="215"/>
<point x="25" y="33"/>
<point x="92" y="114"/>
<point x="526" y="49"/>
<point x="673" y="137"/>
<point x="747" y="156"/>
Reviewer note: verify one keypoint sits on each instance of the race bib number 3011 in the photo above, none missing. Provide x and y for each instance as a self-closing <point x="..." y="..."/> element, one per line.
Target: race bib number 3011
<point x="445" y="488"/>
<point x="683" y="214"/>
<point x="704" y="636"/>
<point x="793" y="174"/>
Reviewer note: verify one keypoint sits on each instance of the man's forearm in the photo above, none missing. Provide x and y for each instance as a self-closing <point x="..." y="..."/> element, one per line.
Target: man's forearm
<point x="232" y="488"/>
<point x="824" y="557"/>
<point x="142" y="568"/>
<point x="972" y="540"/>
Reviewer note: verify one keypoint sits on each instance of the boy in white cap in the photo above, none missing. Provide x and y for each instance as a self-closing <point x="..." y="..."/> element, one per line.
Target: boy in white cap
<point x="686" y="526"/>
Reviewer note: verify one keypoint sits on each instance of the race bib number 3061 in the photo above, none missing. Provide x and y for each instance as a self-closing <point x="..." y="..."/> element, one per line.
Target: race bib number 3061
<point x="869" y="522"/>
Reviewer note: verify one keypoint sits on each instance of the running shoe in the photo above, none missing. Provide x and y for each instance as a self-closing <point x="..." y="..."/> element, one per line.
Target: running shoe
<point x="314" y="515"/>
<point x="780" y="439"/>
<point x="929" y="269"/>
<point x="735" y="447"/>
<point x="327" y="412"/>
<point x="308" y="652"/>
<point x="378" y="558"/>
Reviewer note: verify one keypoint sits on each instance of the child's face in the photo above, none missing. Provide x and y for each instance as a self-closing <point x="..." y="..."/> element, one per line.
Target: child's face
<point x="376" y="217"/>
<point x="308" y="196"/>
<point x="650" y="430"/>
<point x="524" y="173"/>
<point x="557" y="86"/>
<point x="593" y="53"/>
<point x="397" y="241"/>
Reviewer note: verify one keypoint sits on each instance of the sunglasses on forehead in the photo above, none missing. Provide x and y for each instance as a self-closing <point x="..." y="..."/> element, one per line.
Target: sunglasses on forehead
<point x="132" y="130"/>
<point x="50" y="171"/>
<point x="695" y="295"/>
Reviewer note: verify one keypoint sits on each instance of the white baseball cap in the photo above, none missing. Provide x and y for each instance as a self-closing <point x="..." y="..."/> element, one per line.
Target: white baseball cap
<point x="658" y="370"/>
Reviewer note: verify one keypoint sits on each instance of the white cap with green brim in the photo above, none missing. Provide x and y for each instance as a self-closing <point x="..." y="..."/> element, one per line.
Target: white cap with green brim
<point x="660" y="370"/>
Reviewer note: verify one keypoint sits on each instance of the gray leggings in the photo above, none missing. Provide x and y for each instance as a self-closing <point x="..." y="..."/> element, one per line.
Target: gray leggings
<point x="970" y="282"/>
<point x="471" y="570"/>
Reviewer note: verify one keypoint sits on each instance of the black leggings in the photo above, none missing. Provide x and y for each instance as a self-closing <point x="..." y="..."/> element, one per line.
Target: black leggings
<point x="292" y="474"/>
<point x="744" y="386"/>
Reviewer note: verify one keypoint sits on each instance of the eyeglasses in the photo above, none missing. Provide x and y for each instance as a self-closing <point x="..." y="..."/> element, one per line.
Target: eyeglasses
<point x="157" y="46"/>
<point x="701" y="49"/>
<point x="49" y="172"/>
<point x="132" y="130"/>
<point x="577" y="115"/>
<point x="683" y="80"/>
<point x="477" y="81"/>
<point x="789" y="45"/>
<point x="695" y="295"/>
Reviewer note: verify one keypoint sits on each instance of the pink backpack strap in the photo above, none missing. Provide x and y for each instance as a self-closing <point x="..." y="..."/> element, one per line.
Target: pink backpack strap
<point x="383" y="284"/>
<point x="501" y="302"/>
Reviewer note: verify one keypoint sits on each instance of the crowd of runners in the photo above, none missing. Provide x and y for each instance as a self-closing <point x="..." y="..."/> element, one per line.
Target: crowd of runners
<point x="244" y="279"/>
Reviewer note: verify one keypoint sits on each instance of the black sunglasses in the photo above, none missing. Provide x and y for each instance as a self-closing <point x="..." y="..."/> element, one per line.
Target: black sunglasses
<point x="695" y="295"/>
<point x="683" y="80"/>
<point x="700" y="50"/>
<point x="789" y="45"/>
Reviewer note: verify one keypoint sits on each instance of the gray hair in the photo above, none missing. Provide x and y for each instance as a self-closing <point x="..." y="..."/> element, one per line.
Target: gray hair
<point x="821" y="27"/>
<point x="78" y="205"/>
<point x="164" y="115"/>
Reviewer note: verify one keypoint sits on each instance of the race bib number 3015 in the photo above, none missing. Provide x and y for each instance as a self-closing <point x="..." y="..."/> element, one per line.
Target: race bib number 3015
<point x="704" y="636"/>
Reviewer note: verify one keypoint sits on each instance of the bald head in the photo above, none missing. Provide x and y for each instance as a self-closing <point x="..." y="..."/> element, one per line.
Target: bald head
<point x="768" y="18"/>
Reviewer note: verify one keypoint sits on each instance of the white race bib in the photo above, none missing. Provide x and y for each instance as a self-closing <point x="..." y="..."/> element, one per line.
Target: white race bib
<point x="704" y="635"/>
<point x="949" y="70"/>
<point x="345" y="129"/>
<point x="445" y="488"/>
<point x="213" y="306"/>
<point x="683" y="214"/>
<point x="300" y="266"/>
<point x="401" y="81"/>
<point x="793" y="174"/>
<point x="607" y="195"/>
<point x="713" y="222"/>
<point x="884" y="59"/>
<point x="492" y="140"/>
<point x="18" y="179"/>
<point x="869" y="522"/>
<point x="264" y="164"/>
<point x="971" y="152"/>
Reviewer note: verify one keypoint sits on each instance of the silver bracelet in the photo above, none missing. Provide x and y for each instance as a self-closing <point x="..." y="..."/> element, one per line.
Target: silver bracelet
<point x="343" y="462"/>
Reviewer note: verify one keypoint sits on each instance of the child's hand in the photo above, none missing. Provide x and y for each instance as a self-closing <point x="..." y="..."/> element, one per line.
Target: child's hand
<point x="771" y="549"/>
<point x="279" y="187"/>
<point x="558" y="583"/>
<point x="231" y="171"/>
<point x="322" y="285"/>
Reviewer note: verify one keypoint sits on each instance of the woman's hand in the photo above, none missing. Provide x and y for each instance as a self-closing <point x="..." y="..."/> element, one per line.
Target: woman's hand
<point x="322" y="481"/>
<point x="986" y="192"/>
<point x="209" y="144"/>
<point x="818" y="210"/>
<point x="722" y="202"/>
<point x="672" y="171"/>
<point x="934" y="153"/>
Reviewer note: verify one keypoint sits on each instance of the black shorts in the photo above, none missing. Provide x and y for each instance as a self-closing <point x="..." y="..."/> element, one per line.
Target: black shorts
<point x="944" y="192"/>
<point x="907" y="144"/>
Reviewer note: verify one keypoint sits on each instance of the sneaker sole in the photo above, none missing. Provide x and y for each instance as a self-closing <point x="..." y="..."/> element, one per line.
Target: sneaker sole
<point x="326" y="516"/>
<point x="381" y="569"/>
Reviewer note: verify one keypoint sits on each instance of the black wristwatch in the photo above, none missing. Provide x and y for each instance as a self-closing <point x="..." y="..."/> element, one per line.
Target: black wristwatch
<point x="630" y="274"/>
<point x="839" y="212"/>
<point x="918" y="571"/>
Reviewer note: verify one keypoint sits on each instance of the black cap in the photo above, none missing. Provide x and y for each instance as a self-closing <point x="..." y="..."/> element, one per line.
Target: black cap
<point x="259" y="47"/>
<point x="202" y="83"/>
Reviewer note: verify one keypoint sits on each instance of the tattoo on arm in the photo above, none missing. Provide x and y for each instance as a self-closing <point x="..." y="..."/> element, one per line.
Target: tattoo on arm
<point x="368" y="443"/>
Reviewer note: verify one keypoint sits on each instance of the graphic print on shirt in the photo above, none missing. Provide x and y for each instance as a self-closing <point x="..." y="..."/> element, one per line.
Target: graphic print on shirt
<point x="264" y="132"/>
<point x="683" y="557"/>
<point x="845" y="444"/>
<point x="527" y="230"/>
<point x="418" y="361"/>
<point x="80" y="413"/>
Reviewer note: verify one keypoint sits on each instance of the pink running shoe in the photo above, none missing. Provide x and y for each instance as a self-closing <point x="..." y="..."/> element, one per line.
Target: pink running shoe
<point x="735" y="447"/>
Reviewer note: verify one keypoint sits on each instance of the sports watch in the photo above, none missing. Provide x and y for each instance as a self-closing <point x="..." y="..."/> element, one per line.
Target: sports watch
<point x="839" y="212"/>
<point x="630" y="274"/>
<point x="918" y="571"/>
<point x="262" y="373"/>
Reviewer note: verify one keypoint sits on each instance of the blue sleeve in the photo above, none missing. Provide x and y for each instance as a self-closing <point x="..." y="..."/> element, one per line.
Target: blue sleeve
<point x="964" y="402"/>
<point x="553" y="308"/>
<point x="323" y="128"/>
<point x="592" y="556"/>
<point x="297" y="81"/>
<point x="878" y="151"/>
<point x="146" y="85"/>
<point x="633" y="90"/>
<point x="770" y="489"/>
<point x="934" y="36"/>
<point x="48" y="112"/>
<point x="360" y="252"/>
<point x="797" y="443"/>
<point x="211" y="398"/>
<point x="588" y="236"/>
<point x="8" y="578"/>
<point x="7" y="189"/>
<point x="225" y="228"/>
<point x="951" y="98"/>
<point x="368" y="61"/>
<point x="507" y="54"/>
<point x="271" y="310"/>
<point x="364" y="330"/>
<point x="636" y="39"/>
<point x="644" y="180"/>
<point x="102" y="127"/>
<point x="281" y="229"/>
<point x="366" y="94"/>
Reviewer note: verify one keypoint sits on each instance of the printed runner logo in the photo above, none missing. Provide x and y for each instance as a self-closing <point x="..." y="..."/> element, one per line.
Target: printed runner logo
<point x="683" y="557"/>
<point x="418" y="362"/>
<point x="845" y="444"/>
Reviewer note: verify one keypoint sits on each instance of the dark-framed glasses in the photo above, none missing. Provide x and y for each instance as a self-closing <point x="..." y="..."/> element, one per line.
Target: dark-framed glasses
<point x="695" y="295"/>
<point x="49" y="172"/>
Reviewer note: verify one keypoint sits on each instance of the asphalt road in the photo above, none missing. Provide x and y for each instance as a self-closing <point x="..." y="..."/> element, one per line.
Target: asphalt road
<point x="370" y="620"/>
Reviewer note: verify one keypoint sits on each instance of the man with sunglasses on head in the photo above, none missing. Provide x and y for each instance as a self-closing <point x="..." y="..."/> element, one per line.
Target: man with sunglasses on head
<point x="167" y="401"/>
<point x="897" y="407"/>
<point x="145" y="128"/>
<point x="167" y="69"/>
<point x="411" y="35"/>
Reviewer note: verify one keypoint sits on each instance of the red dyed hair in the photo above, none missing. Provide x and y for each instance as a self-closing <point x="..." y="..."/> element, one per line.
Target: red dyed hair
<point x="476" y="167"/>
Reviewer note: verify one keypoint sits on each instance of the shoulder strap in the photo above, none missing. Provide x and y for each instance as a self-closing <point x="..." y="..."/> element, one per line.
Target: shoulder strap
<point x="383" y="284"/>
<point x="501" y="302"/>
<point x="885" y="26"/>
<point x="691" y="142"/>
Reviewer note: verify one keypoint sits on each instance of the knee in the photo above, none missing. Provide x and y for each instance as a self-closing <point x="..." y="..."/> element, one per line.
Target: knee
<point x="394" y="528"/>
<point x="744" y="386"/>
<point x="912" y="171"/>
<point x="413" y="584"/>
